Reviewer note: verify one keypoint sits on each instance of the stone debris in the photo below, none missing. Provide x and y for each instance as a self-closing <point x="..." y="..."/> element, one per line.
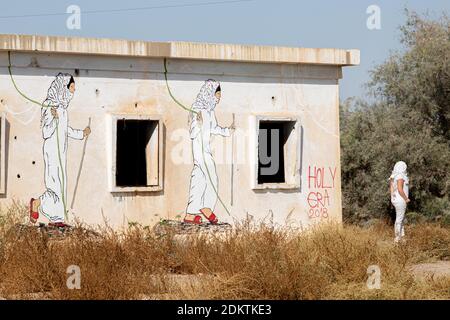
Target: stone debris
<point x="162" y="228"/>
<point x="52" y="232"/>
<point x="179" y="227"/>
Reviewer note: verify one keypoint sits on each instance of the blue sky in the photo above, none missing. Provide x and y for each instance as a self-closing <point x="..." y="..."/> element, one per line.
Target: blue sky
<point x="319" y="23"/>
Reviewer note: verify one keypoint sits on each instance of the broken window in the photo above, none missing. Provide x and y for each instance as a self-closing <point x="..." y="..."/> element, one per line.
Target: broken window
<point x="277" y="164"/>
<point x="137" y="155"/>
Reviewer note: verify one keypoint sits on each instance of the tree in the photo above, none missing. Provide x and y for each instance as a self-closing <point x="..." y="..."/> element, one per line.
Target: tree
<point x="409" y="121"/>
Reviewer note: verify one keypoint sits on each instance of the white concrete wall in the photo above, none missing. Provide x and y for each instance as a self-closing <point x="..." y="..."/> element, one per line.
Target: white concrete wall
<point x="114" y="85"/>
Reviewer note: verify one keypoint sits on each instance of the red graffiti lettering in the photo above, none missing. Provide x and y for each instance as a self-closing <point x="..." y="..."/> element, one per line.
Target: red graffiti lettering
<point x="319" y="200"/>
<point x="319" y="179"/>
<point x="333" y="174"/>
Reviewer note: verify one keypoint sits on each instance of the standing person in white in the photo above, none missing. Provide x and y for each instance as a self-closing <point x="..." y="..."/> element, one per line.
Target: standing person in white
<point x="399" y="188"/>
<point x="52" y="204"/>
<point x="204" y="182"/>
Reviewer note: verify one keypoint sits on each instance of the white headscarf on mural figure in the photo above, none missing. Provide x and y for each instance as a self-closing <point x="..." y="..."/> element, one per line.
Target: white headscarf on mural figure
<point x="59" y="94"/>
<point x="206" y="98"/>
<point x="399" y="171"/>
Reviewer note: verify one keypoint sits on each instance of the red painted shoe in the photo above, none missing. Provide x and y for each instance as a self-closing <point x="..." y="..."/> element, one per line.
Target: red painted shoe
<point x="34" y="215"/>
<point x="197" y="220"/>
<point x="213" y="219"/>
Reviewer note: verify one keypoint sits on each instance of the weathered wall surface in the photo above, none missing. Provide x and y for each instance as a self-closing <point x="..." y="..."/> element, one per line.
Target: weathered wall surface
<point x="131" y="86"/>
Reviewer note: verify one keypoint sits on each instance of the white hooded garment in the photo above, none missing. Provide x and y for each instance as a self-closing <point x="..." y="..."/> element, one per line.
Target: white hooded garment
<point x="54" y="199"/>
<point x="204" y="186"/>
<point x="398" y="202"/>
<point x="399" y="172"/>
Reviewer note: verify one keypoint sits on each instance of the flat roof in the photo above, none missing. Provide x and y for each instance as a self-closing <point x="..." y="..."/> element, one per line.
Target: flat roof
<point x="180" y="50"/>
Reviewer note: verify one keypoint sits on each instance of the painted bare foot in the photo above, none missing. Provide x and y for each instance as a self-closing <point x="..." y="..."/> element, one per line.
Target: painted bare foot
<point x="207" y="212"/>
<point x="192" y="218"/>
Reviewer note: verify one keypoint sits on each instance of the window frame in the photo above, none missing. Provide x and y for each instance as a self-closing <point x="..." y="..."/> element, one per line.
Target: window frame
<point x="3" y="153"/>
<point x="113" y="188"/>
<point x="295" y="178"/>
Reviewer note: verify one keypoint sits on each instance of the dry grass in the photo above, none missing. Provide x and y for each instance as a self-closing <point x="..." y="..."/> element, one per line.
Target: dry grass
<point x="251" y="262"/>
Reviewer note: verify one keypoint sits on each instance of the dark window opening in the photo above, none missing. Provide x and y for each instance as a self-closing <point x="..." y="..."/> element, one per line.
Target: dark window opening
<point x="272" y="139"/>
<point x="134" y="154"/>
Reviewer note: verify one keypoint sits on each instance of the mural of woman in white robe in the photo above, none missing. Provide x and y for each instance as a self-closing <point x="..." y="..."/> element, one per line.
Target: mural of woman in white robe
<point x="204" y="182"/>
<point x="52" y="204"/>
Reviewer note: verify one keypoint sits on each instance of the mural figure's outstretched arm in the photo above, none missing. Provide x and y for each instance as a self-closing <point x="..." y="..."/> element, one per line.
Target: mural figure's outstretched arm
<point x="76" y="134"/>
<point x="216" y="129"/>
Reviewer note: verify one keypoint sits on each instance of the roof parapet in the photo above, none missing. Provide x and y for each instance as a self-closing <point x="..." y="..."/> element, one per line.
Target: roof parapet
<point x="180" y="50"/>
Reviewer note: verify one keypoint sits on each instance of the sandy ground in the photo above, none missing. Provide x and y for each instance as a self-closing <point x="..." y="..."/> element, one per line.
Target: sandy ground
<point x="435" y="269"/>
<point x="186" y="283"/>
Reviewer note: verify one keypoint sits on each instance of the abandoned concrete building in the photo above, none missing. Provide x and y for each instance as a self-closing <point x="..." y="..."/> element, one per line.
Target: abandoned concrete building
<point x="138" y="164"/>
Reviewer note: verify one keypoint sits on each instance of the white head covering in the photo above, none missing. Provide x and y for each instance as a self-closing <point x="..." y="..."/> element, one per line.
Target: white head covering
<point x="58" y="95"/>
<point x="206" y="99"/>
<point x="399" y="171"/>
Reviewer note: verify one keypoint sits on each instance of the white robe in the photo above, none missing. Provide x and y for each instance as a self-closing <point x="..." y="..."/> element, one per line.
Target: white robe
<point x="204" y="187"/>
<point x="52" y="205"/>
<point x="397" y="201"/>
